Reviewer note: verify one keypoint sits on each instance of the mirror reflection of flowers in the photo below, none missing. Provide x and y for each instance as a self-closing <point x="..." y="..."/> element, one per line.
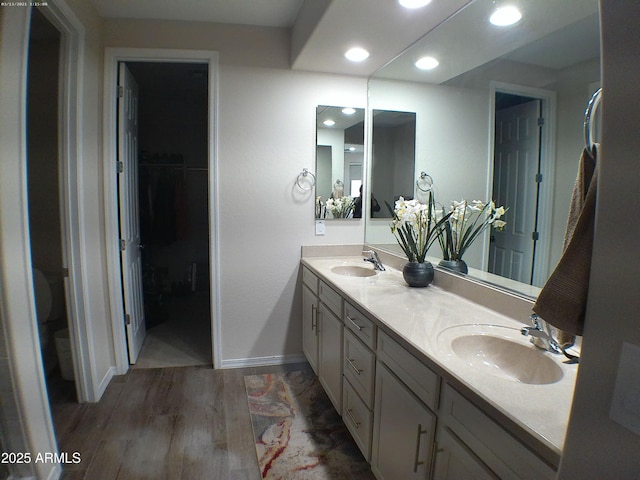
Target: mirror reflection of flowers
<point x="415" y="226"/>
<point x="467" y="221"/>
<point x="340" y="207"/>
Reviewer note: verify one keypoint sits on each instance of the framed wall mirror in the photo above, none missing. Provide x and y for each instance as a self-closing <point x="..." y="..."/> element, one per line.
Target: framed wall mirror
<point x="533" y="77"/>
<point x="339" y="162"/>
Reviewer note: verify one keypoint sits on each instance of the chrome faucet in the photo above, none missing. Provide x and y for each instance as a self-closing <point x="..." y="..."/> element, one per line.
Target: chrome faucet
<point x="539" y="337"/>
<point x="375" y="259"/>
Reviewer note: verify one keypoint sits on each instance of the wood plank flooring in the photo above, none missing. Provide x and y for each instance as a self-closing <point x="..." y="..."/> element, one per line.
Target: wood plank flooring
<point x="175" y="423"/>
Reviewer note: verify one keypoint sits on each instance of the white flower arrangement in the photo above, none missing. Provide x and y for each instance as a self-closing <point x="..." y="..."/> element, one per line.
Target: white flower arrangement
<point x="415" y="226"/>
<point x="340" y="207"/>
<point x="467" y="221"/>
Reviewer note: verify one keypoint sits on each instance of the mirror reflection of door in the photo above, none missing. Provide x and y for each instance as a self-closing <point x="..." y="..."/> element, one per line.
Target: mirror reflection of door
<point x="516" y="183"/>
<point x="339" y="161"/>
<point x="393" y="154"/>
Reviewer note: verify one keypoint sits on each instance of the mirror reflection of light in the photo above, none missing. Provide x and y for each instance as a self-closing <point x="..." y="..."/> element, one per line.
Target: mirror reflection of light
<point x="356" y="54"/>
<point x="413" y="3"/>
<point x="505" y="16"/>
<point x="329" y="123"/>
<point x="427" y="63"/>
<point x="348" y="111"/>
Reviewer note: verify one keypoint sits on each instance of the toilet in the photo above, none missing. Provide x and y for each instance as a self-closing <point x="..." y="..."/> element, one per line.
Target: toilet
<point x="49" y="293"/>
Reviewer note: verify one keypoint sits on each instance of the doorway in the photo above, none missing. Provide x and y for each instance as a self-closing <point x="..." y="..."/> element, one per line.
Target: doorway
<point x="172" y="183"/>
<point x="44" y="187"/>
<point x="522" y="166"/>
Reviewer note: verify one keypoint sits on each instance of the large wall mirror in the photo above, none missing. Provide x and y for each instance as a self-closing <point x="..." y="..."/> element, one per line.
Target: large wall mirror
<point x="339" y="162"/>
<point x="532" y="79"/>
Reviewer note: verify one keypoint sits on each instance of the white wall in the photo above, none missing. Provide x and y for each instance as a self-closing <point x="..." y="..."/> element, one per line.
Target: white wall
<point x="265" y="141"/>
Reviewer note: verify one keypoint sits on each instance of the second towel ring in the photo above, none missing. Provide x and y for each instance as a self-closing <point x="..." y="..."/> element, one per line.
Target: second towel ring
<point x="424" y="180"/>
<point x="303" y="179"/>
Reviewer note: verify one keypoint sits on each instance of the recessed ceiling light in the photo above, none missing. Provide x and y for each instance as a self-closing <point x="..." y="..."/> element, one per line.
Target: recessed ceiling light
<point x="357" y="54"/>
<point x="352" y="149"/>
<point x="413" y="3"/>
<point x="348" y="111"/>
<point x="505" y="16"/>
<point x="328" y="123"/>
<point x="427" y="63"/>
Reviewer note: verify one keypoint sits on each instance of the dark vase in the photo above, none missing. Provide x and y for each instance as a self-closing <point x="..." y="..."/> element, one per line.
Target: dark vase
<point x="418" y="274"/>
<point x="459" y="266"/>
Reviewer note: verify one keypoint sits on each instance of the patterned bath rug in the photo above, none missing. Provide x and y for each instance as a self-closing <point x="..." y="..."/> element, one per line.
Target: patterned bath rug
<point x="298" y="434"/>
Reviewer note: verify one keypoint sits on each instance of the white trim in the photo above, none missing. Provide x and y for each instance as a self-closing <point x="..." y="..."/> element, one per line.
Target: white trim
<point x="17" y="299"/>
<point x="112" y="57"/>
<point x="72" y="193"/>
<point x="548" y="168"/>
<point x="263" y="361"/>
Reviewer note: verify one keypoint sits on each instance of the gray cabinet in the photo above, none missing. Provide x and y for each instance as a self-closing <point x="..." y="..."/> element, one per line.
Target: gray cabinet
<point x="454" y="461"/>
<point x="310" y="318"/>
<point x="403" y="431"/>
<point x="490" y="443"/>
<point x="330" y="333"/>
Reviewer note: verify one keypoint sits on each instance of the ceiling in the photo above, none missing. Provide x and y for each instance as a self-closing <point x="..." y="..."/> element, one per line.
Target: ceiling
<point x="322" y="30"/>
<point x="266" y="13"/>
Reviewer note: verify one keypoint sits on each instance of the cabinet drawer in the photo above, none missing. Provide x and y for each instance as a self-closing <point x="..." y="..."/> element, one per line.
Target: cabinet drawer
<point x="330" y="298"/>
<point x="363" y="328"/>
<point x="497" y="448"/>
<point x="358" y="418"/>
<point x="422" y="381"/>
<point x="358" y="367"/>
<point x="310" y="279"/>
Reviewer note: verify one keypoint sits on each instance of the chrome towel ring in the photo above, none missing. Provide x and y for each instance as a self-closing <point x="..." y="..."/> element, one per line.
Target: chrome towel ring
<point x="306" y="180"/>
<point x="424" y="182"/>
<point x="589" y="124"/>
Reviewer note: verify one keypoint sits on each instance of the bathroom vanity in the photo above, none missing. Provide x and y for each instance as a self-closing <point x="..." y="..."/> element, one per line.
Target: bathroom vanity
<point x="430" y="384"/>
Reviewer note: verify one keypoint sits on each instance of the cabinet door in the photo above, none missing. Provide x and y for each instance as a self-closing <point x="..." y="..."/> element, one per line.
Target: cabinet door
<point x="455" y="462"/>
<point x="403" y="431"/>
<point x="330" y="355"/>
<point x="310" y="327"/>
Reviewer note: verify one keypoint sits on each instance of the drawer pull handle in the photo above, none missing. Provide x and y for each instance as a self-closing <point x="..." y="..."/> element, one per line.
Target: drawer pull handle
<point x="417" y="462"/>
<point x="350" y="414"/>
<point x="353" y="366"/>
<point x="354" y="323"/>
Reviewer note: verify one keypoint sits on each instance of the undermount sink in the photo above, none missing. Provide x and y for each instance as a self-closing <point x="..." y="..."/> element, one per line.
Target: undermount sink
<point x="500" y="351"/>
<point x="353" y="271"/>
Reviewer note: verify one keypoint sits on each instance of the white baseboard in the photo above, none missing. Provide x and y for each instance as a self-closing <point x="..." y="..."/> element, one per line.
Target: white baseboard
<point x="263" y="361"/>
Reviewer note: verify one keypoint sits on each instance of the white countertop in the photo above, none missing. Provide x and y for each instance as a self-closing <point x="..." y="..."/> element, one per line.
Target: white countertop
<point x="418" y="315"/>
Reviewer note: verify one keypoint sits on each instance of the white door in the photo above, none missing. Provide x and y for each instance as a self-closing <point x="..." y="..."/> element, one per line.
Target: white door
<point x="515" y="185"/>
<point x="131" y="261"/>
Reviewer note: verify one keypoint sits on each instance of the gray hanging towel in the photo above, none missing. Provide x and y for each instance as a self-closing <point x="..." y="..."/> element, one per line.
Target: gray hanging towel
<point x="563" y="299"/>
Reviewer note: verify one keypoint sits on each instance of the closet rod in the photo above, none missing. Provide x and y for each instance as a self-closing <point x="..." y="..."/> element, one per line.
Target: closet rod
<point x="172" y="165"/>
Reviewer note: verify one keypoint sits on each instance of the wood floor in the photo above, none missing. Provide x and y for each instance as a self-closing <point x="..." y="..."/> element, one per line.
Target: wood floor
<point x="174" y="423"/>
